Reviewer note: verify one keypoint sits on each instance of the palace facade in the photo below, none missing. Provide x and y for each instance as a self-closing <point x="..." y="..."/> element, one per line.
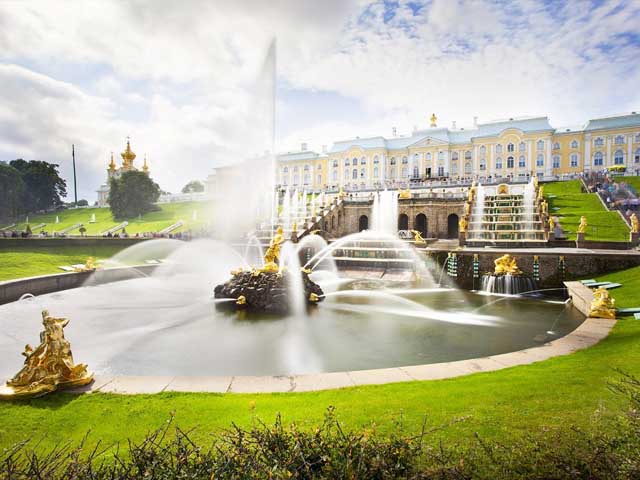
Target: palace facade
<point x="128" y="156"/>
<point x="507" y="149"/>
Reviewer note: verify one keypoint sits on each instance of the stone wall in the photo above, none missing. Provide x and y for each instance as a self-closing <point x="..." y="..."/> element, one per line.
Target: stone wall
<point x="67" y="241"/>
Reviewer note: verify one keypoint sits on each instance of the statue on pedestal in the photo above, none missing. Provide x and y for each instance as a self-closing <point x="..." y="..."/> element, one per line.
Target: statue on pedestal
<point x="506" y="265"/>
<point x="463" y="224"/>
<point x="272" y="255"/>
<point x="49" y="366"/>
<point x="417" y="238"/>
<point x="602" y="306"/>
<point x="582" y="228"/>
<point x="635" y="225"/>
<point x="404" y="194"/>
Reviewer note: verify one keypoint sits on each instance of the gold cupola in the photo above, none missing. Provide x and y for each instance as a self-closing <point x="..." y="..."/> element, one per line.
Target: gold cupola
<point x="112" y="164"/>
<point x="434" y="120"/>
<point x="128" y="156"/>
<point x="145" y="167"/>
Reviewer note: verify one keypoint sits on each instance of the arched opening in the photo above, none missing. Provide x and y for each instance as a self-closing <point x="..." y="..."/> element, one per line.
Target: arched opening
<point x="363" y="223"/>
<point x="452" y="226"/>
<point x="421" y="224"/>
<point x="403" y="222"/>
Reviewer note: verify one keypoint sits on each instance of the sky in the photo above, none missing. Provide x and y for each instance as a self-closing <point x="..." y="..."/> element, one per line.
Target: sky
<point x="191" y="82"/>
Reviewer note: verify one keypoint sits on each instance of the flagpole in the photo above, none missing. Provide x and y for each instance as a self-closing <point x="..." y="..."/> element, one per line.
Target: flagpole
<point x="75" y="187"/>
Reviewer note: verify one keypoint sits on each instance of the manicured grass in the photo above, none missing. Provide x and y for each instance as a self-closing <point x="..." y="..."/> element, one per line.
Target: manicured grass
<point x="18" y="262"/>
<point x="505" y="404"/>
<point x="572" y="204"/>
<point x="633" y="181"/>
<point x="168" y="214"/>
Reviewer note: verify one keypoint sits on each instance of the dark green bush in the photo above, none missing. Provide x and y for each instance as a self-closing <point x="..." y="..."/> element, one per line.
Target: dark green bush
<point x="605" y="451"/>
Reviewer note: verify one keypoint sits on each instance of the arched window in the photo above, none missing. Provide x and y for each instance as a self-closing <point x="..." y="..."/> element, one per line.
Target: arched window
<point x="376" y="160"/>
<point x="498" y="148"/>
<point x="574" y="144"/>
<point x="556" y="146"/>
<point x="346" y="174"/>
<point x="393" y="161"/>
<point x="403" y="221"/>
<point x="355" y="174"/>
<point x="499" y="163"/>
<point x="285" y="170"/>
<point x="405" y="172"/>
<point x="454" y="169"/>
<point x="574" y="159"/>
<point x="598" y="142"/>
<point x="618" y="157"/>
<point x="637" y="137"/>
<point x="511" y="147"/>
<point x="346" y="162"/>
<point x="467" y="168"/>
<point x="307" y="179"/>
<point x="354" y="162"/>
<point x="556" y="161"/>
<point x="483" y="150"/>
<point x="522" y="147"/>
<point x="636" y="158"/>
<point x="416" y="158"/>
<point x="405" y="160"/>
<point x="306" y="168"/>
<point x="454" y="156"/>
<point x="597" y="159"/>
<point x="363" y="161"/>
<point x="540" y="145"/>
<point x="363" y="172"/>
<point x="319" y="167"/>
<point x="416" y="171"/>
<point x="375" y="172"/>
<point x="296" y="179"/>
<point x="510" y="162"/>
<point x="440" y="155"/>
<point x="295" y="169"/>
<point x="467" y="155"/>
<point x="619" y="140"/>
<point x="335" y="163"/>
<point x="428" y="157"/>
<point x="335" y="175"/>
<point x="540" y="160"/>
<point x="522" y="162"/>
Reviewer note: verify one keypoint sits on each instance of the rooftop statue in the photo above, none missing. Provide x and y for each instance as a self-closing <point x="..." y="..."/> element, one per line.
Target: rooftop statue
<point x="602" y="306"/>
<point x="635" y="224"/>
<point x="272" y="255"/>
<point x="582" y="228"/>
<point x="49" y="366"/>
<point x="506" y="265"/>
<point x="417" y="238"/>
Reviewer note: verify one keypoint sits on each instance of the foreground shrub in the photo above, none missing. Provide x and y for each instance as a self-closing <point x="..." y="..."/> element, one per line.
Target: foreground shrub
<point x="605" y="451"/>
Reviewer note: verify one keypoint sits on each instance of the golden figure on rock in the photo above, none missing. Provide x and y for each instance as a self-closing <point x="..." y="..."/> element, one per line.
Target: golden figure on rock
<point x="602" y="306"/>
<point x="417" y="238"/>
<point x="404" y="194"/>
<point x="635" y="224"/>
<point x="506" y="265"/>
<point x="582" y="228"/>
<point x="272" y="255"/>
<point x="463" y="224"/>
<point x="49" y="366"/>
<point x="90" y="266"/>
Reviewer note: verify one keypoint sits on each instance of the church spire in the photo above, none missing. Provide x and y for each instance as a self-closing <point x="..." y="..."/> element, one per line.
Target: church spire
<point x="145" y="167"/>
<point x="112" y="164"/>
<point x="128" y="156"/>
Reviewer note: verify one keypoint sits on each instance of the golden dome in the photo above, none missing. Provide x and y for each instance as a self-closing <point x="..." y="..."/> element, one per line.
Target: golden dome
<point x="145" y="167"/>
<point x="128" y="156"/>
<point x="112" y="164"/>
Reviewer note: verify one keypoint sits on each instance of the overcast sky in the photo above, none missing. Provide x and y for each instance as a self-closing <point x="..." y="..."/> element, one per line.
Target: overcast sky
<point x="186" y="80"/>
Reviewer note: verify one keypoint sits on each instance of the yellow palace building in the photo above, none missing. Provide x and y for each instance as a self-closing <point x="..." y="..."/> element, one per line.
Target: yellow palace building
<point x="515" y="148"/>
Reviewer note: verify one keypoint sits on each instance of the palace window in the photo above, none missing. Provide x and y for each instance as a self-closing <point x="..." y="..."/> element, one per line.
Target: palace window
<point x="440" y="155"/>
<point x="511" y="147"/>
<point x="454" y="156"/>
<point x="618" y="157"/>
<point x="556" y="146"/>
<point x="416" y="171"/>
<point x="335" y="175"/>
<point x="597" y="159"/>
<point x="405" y="160"/>
<point x="319" y="166"/>
<point x="428" y="157"/>
<point x="540" y="161"/>
<point x="637" y="156"/>
<point x="393" y="161"/>
<point x="346" y="162"/>
<point x="574" y="159"/>
<point x="441" y="171"/>
<point x="483" y="165"/>
<point x="363" y="161"/>
<point x="509" y="162"/>
<point x="556" y="161"/>
<point x="405" y="172"/>
<point x="376" y="160"/>
<point x="637" y="137"/>
<point x="354" y="162"/>
<point x="522" y="162"/>
<point x="540" y="145"/>
<point x="483" y="150"/>
<point x="335" y="164"/>
<point x="307" y="179"/>
<point x="319" y="179"/>
<point x="363" y="172"/>
<point x="285" y="170"/>
<point x="522" y="147"/>
<point x="375" y="172"/>
<point x="363" y="186"/>
<point x="306" y="168"/>
<point x="619" y="140"/>
<point x="416" y="157"/>
<point x="598" y="142"/>
<point x="295" y="169"/>
<point x="454" y="169"/>
<point x="499" y="163"/>
<point x="296" y="179"/>
<point x="498" y="148"/>
<point x="467" y="155"/>
<point x="574" y="144"/>
<point x="355" y="174"/>
<point x="346" y="174"/>
<point x="467" y="168"/>
<point x="392" y="173"/>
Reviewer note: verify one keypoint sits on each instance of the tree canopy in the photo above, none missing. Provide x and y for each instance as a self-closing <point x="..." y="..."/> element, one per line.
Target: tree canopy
<point x="133" y="194"/>
<point x="43" y="186"/>
<point x="11" y="192"/>
<point x="193" y="186"/>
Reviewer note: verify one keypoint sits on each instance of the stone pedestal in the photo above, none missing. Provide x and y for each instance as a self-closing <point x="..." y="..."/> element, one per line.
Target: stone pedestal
<point x="462" y="238"/>
<point x="579" y="239"/>
<point x="634" y="238"/>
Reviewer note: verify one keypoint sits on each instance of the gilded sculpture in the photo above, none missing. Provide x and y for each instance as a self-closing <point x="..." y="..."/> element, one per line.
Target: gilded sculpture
<point x="552" y="223"/>
<point x="417" y="238"/>
<point x="582" y="228"/>
<point x="506" y="265"/>
<point x="49" y="366"/>
<point x="272" y="255"/>
<point x="90" y="266"/>
<point x="635" y="224"/>
<point x="463" y="224"/>
<point x="404" y="194"/>
<point x="540" y="193"/>
<point x="602" y="305"/>
<point x="467" y="209"/>
<point x="503" y="189"/>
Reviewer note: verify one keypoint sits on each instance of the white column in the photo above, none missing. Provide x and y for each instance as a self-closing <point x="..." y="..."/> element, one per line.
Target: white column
<point x="586" y="160"/>
<point x="548" y="163"/>
<point x="529" y="163"/>
<point x="491" y="161"/>
<point x="629" y="158"/>
<point x="608" y="161"/>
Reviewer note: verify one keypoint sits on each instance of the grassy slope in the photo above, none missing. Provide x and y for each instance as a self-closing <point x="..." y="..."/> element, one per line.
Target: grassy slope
<point x="572" y="204"/>
<point x="30" y="261"/>
<point x="169" y="214"/>
<point x="561" y="391"/>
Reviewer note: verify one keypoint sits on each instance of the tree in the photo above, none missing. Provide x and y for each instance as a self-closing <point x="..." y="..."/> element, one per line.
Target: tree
<point x="43" y="186"/>
<point x="133" y="194"/>
<point x="193" y="186"/>
<point x="11" y="192"/>
<point x="82" y="203"/>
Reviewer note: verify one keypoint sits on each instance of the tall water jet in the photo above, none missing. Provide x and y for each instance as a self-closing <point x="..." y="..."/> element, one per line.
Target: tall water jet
<point x="528" y="204"/>
<point x="385" y="212"/>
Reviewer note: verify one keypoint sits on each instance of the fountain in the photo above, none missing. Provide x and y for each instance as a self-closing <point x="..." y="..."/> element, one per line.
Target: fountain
<point x="507" y="278"/>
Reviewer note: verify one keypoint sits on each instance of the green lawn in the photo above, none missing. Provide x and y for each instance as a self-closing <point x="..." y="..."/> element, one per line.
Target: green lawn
<point x="17" y="262"/>
<point x="168" y="214"/>
<point x="572" y="204"/>
<point x="558" y="392"/>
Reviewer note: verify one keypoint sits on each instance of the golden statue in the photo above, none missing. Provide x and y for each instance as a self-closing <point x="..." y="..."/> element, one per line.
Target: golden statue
<point x="463" y="224"/>
<point x="535" y="182"/>
<point x="313" y="297"/>
<point x="272" y="255"/>
<point x="467" y="209"/>
<point x="582" y="228"/>
<point x="472" y="192"/>
<point x="541" y="193"/>
<point x="552" y="223"/>
<point x="602" y="306"/>
<point x="341" y="193"/>
<point x="545" y="206"/>
<point x="89" y="266"/>
<point x="635" y="224"/>
<point x="417" y="238"/>
<point x="404" y="194"/>
<point x="506" y="265"/>
<point x="49" y="366"/>
<point x="503" y="189"/>
<point x="434" y="120"/>
<point x="241" y="300"/>
<point x="294" y="227"/>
